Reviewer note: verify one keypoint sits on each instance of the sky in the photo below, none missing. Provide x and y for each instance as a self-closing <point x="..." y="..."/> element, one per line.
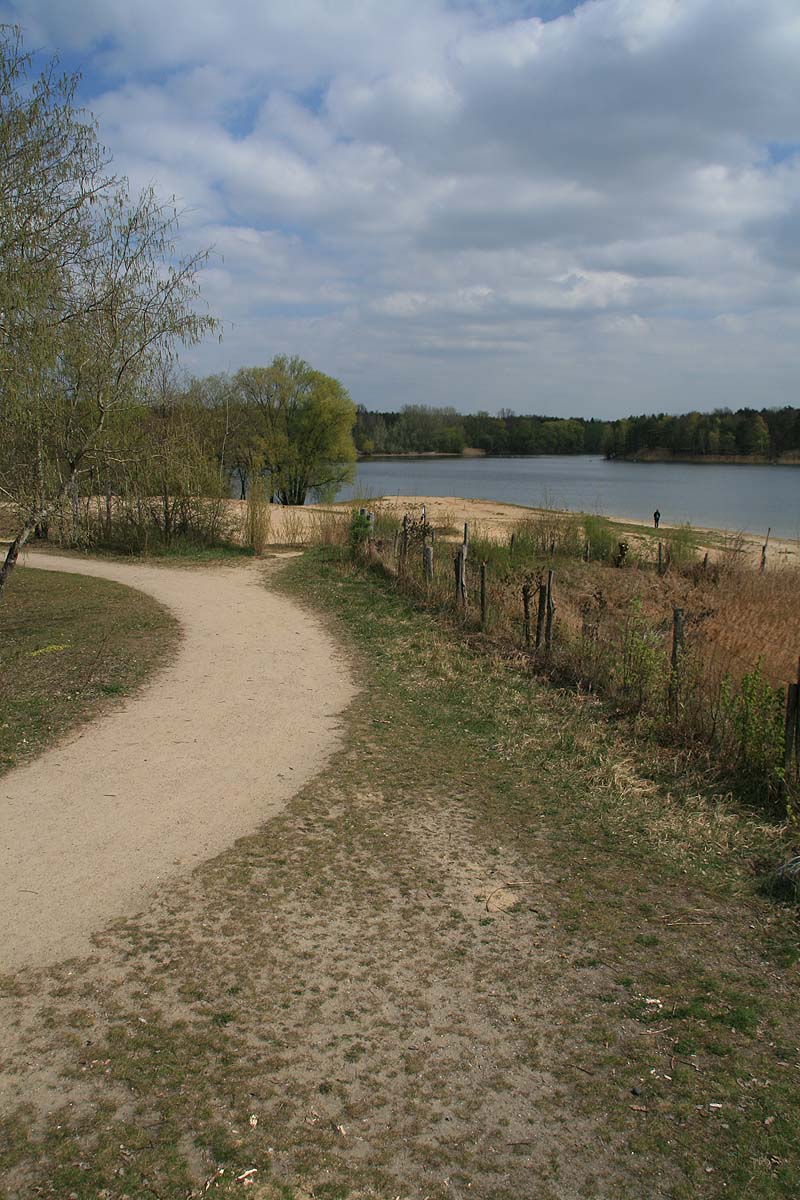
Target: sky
<point x="579" y="209"/>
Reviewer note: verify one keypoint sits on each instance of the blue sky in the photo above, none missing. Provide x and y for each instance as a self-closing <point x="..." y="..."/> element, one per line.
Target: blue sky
<point x="587" y="209"/>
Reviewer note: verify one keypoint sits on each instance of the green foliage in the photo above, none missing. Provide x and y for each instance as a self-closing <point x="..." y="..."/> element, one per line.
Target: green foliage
<point x="93" y="300"/>
<point x="642" y="661"/>
<point x="602" y="538"/>
<point x="359" y="531"/>
<point x="301" y="424"/>
<point x="754" y="716"/>
<point x="765" y="433"/>
<point x="420" y="429"/>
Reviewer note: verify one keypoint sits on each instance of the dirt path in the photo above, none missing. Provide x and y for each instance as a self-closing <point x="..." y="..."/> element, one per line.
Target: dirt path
<point x="213" y="747"/>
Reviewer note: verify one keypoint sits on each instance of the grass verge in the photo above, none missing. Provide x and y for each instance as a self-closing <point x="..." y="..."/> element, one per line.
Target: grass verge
<point x="69" y="645"/>
<point x="482" y="954"/>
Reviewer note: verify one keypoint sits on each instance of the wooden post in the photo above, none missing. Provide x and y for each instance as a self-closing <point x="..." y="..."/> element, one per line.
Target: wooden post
<point x="526" y="612"/>
<point x="677" y="636"/>
<point x="511" y="545"/>
<point x="764" y="552"/>
<point x="433" y="536"/>
<point x="484" y="611"/>
<point x="427" y="563"/>
<point x="404" y="544"/>
<point x="677" y="650"/>
<point x="540" y="616"/>
<point x="587" y="551"/>
<point x="466" y="534"/>
<point x="661" y="558"/>
<point x="790" y="730"/>
<point x="705" y="561"/>
<point x="459" y="567"/>
<point x="551" y="608"/>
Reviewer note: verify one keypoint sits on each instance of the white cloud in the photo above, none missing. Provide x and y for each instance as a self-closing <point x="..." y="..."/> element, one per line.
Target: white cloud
<point x="444" y="201"/>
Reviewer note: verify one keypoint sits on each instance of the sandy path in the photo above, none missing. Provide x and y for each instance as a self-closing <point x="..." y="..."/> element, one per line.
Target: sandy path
<point x="212" y="747"/>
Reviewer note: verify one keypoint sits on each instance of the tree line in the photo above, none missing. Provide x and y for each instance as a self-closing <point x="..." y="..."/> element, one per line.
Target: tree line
<point x="760" y="433"/>
<point x="766" y="433"/>
<point x="418" y="429"/>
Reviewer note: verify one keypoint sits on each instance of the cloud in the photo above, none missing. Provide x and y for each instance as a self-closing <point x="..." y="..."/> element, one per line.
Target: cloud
<point x="563" y="206"/>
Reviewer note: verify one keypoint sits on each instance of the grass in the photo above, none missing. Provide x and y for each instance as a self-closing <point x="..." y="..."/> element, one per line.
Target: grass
<point x="613" y="630"/>
<point x="485" y="952"/>
<point x="69" y="646"/>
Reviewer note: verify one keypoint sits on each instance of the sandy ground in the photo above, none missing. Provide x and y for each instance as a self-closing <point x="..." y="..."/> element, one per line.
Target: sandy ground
<point x="211" y="748"/>
<point x="496" y="520"/>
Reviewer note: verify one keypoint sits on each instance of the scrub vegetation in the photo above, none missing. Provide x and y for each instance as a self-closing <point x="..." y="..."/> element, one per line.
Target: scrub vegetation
<point x="495" y="949"/>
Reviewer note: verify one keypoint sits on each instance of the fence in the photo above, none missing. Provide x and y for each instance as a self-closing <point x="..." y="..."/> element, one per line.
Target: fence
<point x="652" y="671"/>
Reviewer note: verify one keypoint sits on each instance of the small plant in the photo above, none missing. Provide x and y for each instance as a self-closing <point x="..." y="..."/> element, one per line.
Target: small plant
<point x="359" y="532"/>
<point x="680" y="546"/>
<point x="642" y="658"/>
<point x="601" y="538"/>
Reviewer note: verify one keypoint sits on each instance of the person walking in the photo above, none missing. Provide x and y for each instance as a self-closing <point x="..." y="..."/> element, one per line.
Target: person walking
<point x="656" y="518"/>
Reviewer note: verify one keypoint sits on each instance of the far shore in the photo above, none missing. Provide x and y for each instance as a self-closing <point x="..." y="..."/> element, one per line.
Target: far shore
<point x="790" y="459"/>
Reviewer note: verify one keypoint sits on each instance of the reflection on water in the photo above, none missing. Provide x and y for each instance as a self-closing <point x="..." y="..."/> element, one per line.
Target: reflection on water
<point x="721" y="496"/>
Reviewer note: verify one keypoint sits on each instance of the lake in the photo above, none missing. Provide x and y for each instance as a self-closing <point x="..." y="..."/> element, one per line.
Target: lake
<point x="717" y="495"/>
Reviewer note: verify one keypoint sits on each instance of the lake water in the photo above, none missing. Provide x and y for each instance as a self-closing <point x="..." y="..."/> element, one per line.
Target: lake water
<point x="717" y="495"/>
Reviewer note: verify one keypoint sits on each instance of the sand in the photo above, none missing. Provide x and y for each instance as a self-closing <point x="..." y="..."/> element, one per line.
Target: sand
<point x="211" y="748"/>
<point x="496" y="520"/>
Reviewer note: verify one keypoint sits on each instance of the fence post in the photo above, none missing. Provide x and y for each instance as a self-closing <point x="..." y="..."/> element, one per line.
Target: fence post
<point x="790" y="731"/>
<point x="459" y="566"/>
<point x="466" y="534"/>
<point x="551" y="608"/>
<point x="660" y="558"/>
<point x="484" y="609"/>
<point x="526" y="612"/>
<point x="404" y="545"/>
<point x="540" y="616"/>
<point x="511" y="545"/>
<point x="677" y="650"/>
<point x="764" y="552"/>
<point x="677" y="636"/>
<point x="427" y="563"/>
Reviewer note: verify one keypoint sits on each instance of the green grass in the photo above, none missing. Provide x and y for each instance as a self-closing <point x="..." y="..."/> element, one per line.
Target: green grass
<point x="68" y="645"/>
<point x="483" y="953"/>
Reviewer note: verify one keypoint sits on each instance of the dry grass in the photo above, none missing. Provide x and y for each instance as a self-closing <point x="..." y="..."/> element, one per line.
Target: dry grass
<point x="258" y="517"/>
<point x="613" y="628"/>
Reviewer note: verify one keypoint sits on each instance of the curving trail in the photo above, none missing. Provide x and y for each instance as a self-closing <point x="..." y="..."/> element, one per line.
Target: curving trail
<point x="204" y="753"/>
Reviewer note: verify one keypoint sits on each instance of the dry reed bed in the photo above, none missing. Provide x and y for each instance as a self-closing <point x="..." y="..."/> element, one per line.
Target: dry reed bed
<point x="614" y="622"/>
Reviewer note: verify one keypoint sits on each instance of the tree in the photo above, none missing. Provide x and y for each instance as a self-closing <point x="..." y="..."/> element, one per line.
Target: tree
<point x="305" y="428"/>
<point x="91" y="295"/>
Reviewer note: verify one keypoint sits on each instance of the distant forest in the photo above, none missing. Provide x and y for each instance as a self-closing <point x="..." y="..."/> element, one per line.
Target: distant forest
<point x="761" y="433"/>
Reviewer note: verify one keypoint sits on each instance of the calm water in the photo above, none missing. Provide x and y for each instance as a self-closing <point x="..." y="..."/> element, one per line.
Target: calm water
<point x="741" y="497"/>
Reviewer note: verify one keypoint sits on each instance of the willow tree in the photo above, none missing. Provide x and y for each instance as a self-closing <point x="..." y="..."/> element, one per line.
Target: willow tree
<point x="91" y="295"/>
<point x="303" y="430"/>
